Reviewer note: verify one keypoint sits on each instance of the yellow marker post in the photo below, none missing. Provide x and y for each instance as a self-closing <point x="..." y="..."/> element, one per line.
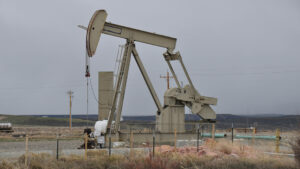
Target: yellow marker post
<point x="175" y="137"/>
<point x="277" y="140"/>
<point x="26" y="149"/>
<point x="253" y="134"/>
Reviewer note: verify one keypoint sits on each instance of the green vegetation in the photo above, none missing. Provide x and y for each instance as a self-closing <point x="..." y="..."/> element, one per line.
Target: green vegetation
<point x="42" y="121"/>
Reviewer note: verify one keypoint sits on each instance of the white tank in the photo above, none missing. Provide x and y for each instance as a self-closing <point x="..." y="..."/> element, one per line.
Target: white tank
<point x="100" y="127"/>
<point x="5" y="125"/>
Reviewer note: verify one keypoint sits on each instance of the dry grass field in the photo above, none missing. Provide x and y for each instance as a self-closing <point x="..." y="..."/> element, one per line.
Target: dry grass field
<point x="242" y="154"/>
<point x="212" y="155"/>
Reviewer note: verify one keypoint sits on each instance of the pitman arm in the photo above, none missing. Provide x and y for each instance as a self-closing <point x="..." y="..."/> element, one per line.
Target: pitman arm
<point x="198" y="104"/>
<point x="188" y="95"/>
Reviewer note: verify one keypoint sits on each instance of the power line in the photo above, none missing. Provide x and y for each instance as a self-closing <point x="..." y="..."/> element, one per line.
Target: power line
<point x="98" y="101"/>
<point x="167" y="77"/>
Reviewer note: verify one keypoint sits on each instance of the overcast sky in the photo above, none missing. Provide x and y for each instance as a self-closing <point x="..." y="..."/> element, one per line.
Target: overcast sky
<point x="244" y="52"/>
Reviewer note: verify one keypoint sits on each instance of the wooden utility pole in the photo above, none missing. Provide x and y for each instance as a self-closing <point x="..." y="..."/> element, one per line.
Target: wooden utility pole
<point x="70" y="93"/>
<point x="168" y="79"/>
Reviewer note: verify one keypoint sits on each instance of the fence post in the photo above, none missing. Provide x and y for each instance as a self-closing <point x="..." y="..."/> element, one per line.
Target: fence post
<point x="57" y="148"/>
<point x="202" y="132"/>
<point x="277" y="140"/>
<point x="131" y="143"/>
<point x="198" y="135"/>
<point x="26" y="149"/>
<point x="153" y="144"/>
<point x="109" y="144"/>
<point x="85" y="145"/>
<point x="175" y="137"/>
<point x="213" y="131"/>
<point x="232" y="133"/>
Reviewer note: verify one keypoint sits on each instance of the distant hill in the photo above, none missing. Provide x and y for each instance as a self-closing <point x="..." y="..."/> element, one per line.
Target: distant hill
<point x="283" y="122"/>
<point x="264" y="115"/>
<point x="224" y="121"/>
<point x="43" y="120"/>
<point x="92" y="117"/>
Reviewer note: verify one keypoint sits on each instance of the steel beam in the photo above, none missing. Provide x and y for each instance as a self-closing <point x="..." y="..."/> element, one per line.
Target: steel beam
<point x="186" y="74"/>
<point x="123" y="88"/>
<point x="146" y="78"/>
<point x="127" y="53"/>
<point x="139" y="35"/>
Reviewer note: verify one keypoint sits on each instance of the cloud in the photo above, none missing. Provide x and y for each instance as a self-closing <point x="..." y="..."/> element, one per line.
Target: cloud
<point x="245" y="53"/>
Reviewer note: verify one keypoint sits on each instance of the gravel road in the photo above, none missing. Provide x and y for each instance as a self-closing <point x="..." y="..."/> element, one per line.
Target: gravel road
<point x="39" y="145"/>
<point x="16" y="149"/>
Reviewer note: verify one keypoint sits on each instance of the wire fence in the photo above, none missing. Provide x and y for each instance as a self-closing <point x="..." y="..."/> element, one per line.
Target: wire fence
<point x="136" y="137"/>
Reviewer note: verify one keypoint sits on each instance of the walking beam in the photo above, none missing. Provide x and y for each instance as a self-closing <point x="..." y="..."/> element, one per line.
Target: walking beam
<point x="98" y="25"/>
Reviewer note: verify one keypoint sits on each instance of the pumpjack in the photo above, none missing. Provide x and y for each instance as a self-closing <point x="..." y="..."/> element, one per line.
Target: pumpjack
<point x="171" y="114"/>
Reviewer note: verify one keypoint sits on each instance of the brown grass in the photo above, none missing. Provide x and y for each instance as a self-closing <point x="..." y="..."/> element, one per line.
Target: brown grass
<point x="221" y="154"/>
<point x="225" y="148"/>
<point x="100" y="160"/>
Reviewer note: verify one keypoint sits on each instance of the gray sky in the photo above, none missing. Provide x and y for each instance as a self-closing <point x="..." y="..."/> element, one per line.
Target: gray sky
<point x="244" y="52"/>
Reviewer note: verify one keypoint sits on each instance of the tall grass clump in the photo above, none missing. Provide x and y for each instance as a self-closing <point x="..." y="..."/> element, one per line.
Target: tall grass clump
<point x="6" y="165"/>
<point x="225" y="148"/>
